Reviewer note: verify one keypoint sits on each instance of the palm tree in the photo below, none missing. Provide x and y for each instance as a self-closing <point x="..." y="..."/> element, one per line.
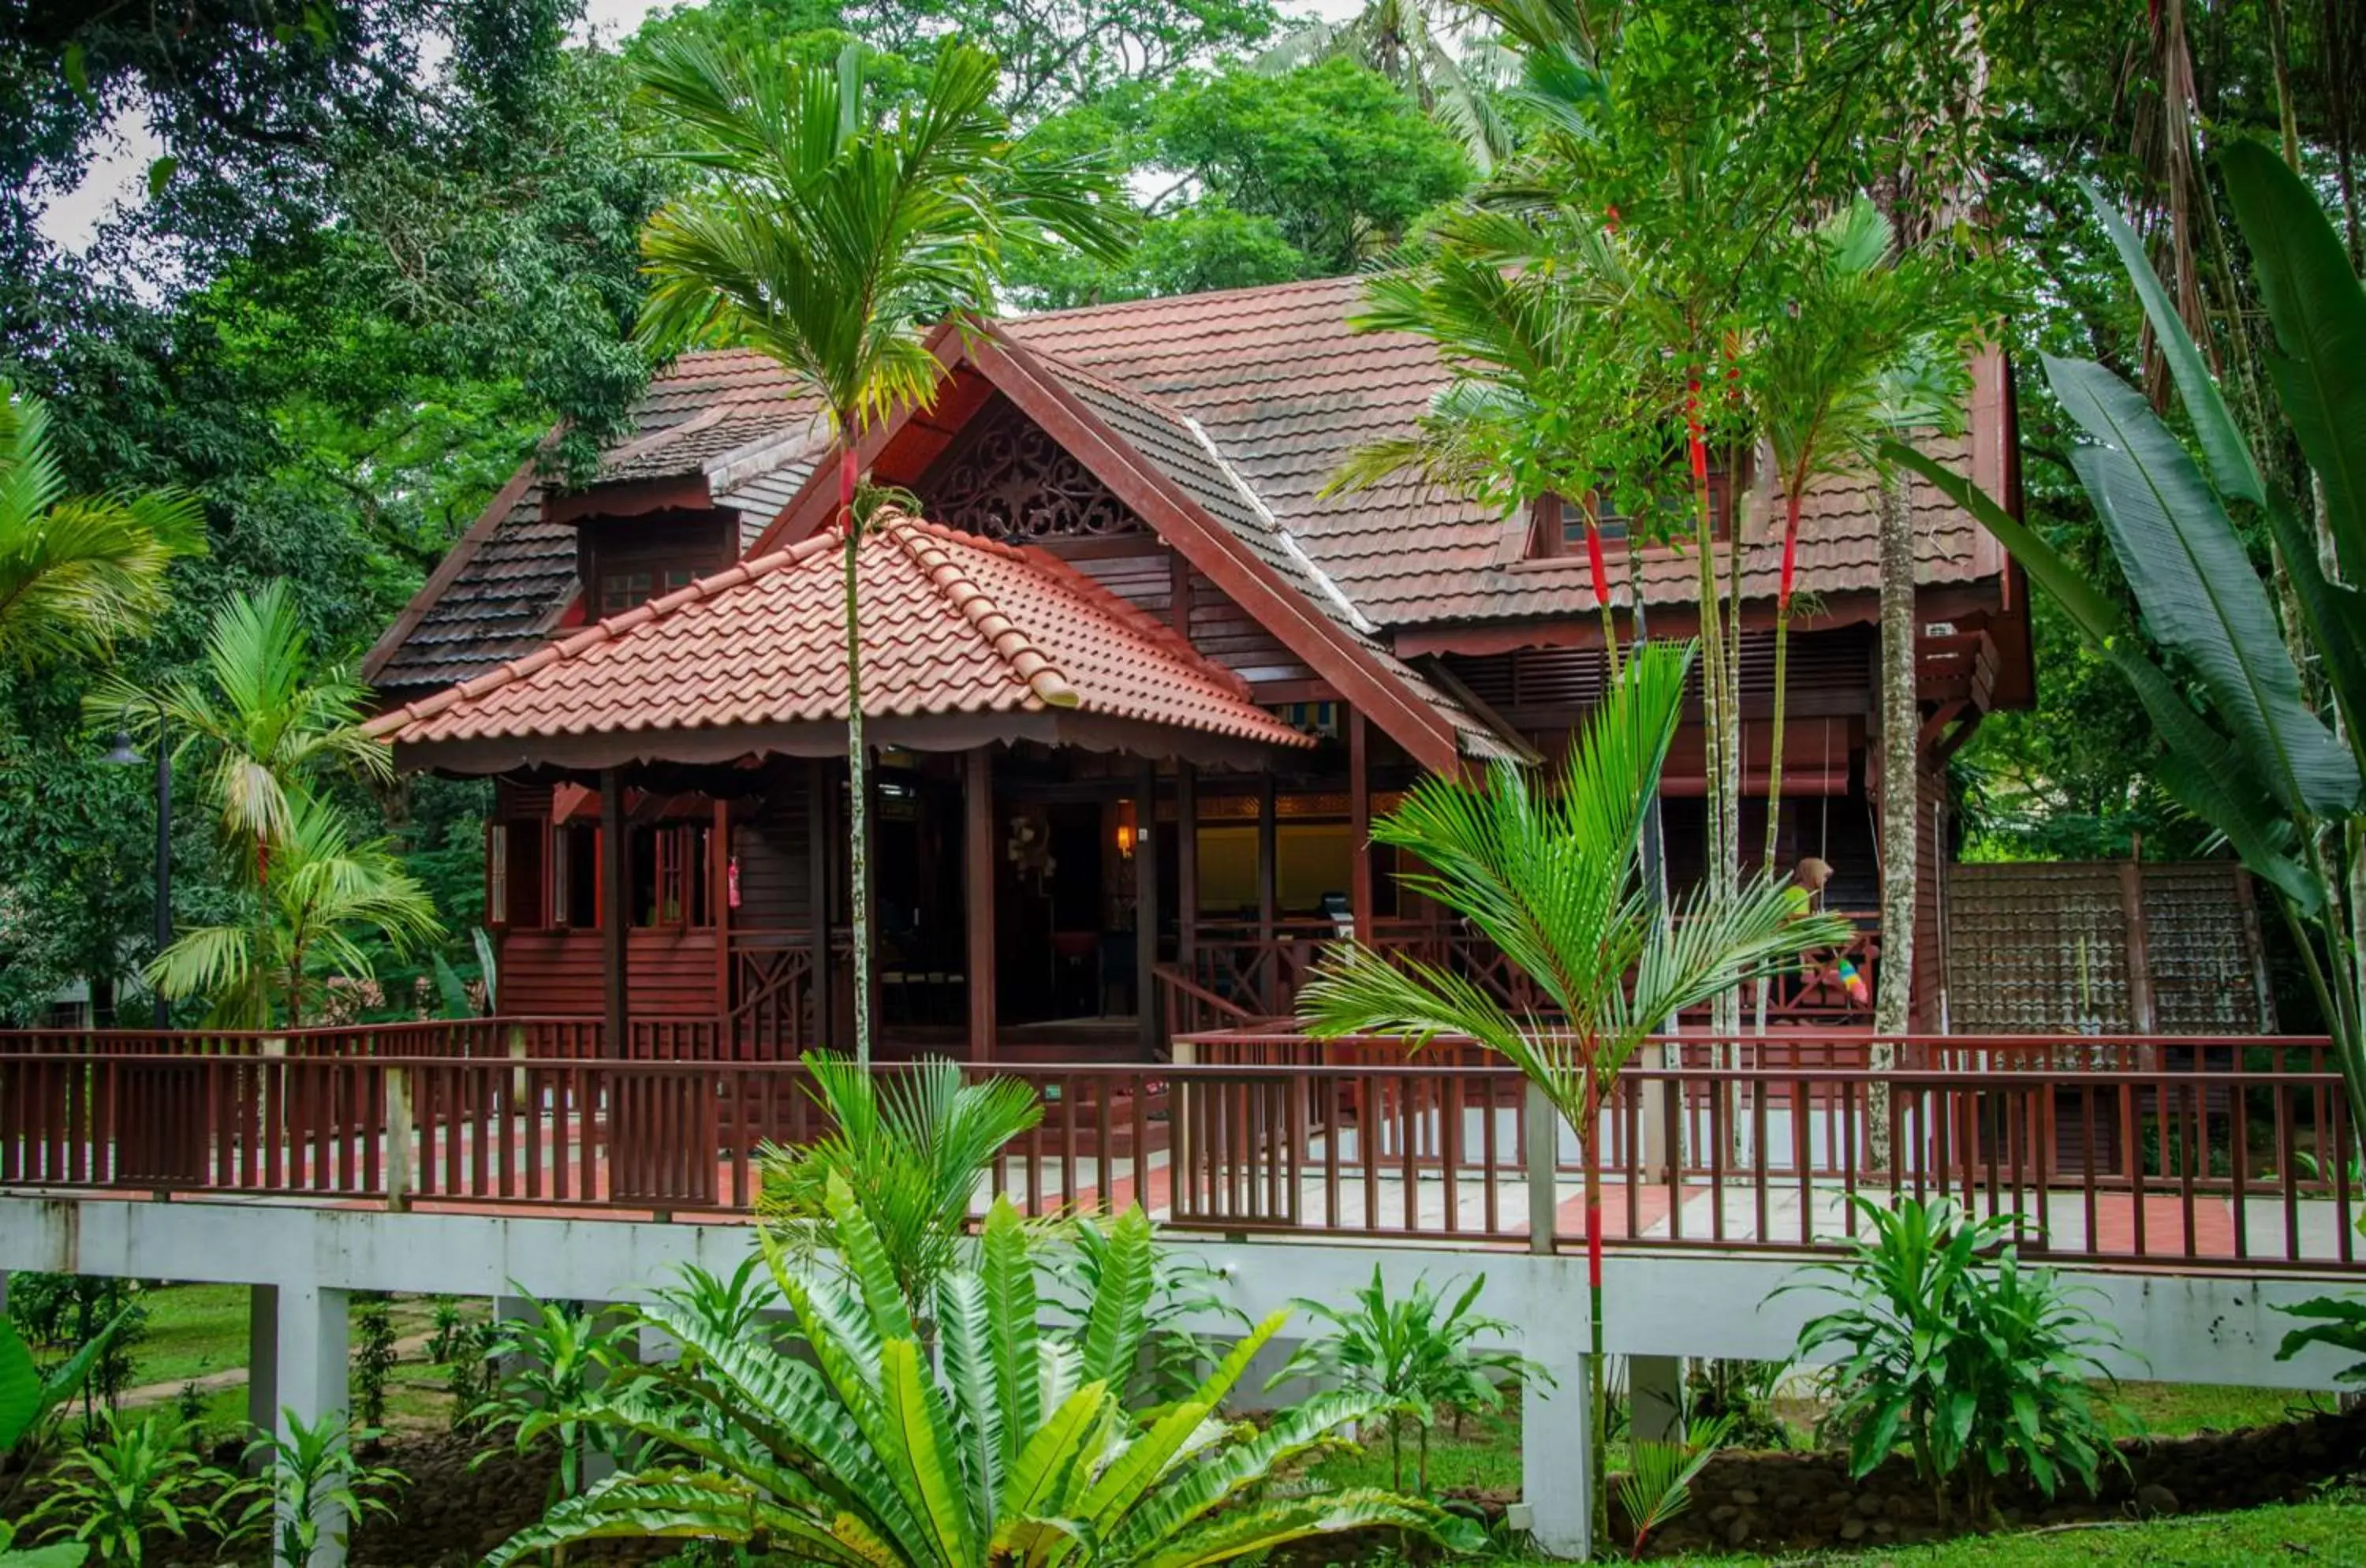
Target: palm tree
<point x="1014" y="1447"/>
<point x="1853" y="362"/>
<point x="1524" y="345"/>
<point x="1550" y="878"/>
<point x="829" y="233"/>
<point x="76" y="572"/>
<point x="325" y="893"/>
<point x="1442" y="55"/>
<point x="266" y="712"/>
<point x="917" y="1148"/>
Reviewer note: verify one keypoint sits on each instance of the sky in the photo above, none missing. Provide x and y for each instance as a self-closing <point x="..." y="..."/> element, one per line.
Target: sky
<point x="119" y="173"/>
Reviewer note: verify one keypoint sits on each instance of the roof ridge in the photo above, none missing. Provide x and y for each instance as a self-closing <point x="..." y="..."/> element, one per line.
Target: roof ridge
<point x="925" y="545"/>
<point x="1154" y="301"/>
<point x="607" y="629"/>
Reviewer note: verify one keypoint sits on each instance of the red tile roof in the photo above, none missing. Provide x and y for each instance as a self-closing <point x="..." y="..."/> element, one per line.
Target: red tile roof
<point x="953" y="624"/>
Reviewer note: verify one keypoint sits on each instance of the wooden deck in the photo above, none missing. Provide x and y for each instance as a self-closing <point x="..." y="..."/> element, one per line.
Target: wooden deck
<point x="2171" y="1154"/>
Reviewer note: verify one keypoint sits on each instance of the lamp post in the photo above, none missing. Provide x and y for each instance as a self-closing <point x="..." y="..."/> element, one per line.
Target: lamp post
<point x="124" y="754"/>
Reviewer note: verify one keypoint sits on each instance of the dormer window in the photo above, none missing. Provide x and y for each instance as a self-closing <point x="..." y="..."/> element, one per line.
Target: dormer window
<point x="1557" y="527"/>
<point x="620" y="591"/>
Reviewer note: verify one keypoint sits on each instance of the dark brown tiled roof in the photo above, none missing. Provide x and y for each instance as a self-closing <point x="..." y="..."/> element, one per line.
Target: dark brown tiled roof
<point x="729" y="414"/>
<point x="1286" y="391"/>
<point x="1246" y="400"/>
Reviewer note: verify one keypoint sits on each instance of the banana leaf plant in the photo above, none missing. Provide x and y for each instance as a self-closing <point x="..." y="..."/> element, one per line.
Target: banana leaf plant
<point x="2260" y="760"/>
<point x="1013" y="1446"/>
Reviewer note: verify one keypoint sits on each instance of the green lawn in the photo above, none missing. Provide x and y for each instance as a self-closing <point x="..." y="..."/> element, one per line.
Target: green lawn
<point x="2310" y="1533"/>
<point x="195" y="1330"/>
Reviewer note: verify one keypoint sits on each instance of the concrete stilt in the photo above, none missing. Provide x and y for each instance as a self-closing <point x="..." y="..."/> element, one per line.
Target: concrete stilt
<point x="263" y="1359"/>
<point x="310" y="1366"/>
<point x="1655" y="1398"/>
<point x="1556" y="1456"/>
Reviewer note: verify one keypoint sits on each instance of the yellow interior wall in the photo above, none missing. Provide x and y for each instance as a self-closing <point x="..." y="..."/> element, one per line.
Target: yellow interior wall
<point x="1311" y="859"/>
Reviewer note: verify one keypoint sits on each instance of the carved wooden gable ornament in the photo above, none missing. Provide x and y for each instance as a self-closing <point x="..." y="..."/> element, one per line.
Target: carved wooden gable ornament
<point x="1007" y="479"/>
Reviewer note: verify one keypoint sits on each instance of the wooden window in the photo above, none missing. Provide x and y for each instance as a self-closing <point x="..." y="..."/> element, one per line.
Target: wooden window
<point x="620" y="591"/>
<point x="669" y="877"/>
<point x="1557" y="528"/>
<point x="526" y="896"/>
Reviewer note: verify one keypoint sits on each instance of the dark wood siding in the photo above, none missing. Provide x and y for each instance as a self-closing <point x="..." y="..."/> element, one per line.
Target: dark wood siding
<point x="558" y="972"/>
<point x="770" y="837"/>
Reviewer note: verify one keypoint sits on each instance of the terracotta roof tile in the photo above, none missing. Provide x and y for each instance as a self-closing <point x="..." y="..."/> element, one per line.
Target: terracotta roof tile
<point x="953" y="624"/>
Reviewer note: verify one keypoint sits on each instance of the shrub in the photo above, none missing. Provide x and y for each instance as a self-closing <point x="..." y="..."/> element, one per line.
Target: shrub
<point x="1980" y="1367"/>
<point x="2336" y="1321"/>
<point x="1174" y="1359"/>
<point x="555" y="1358"/>
<point x="374" y="1359"/>
<point x="916" y="1145"/>
<point x="1012" y="1447"/>
<point x="313" y="1470"/>
<point x="1418" y="1355"/>
<point x="130" y="1479"/>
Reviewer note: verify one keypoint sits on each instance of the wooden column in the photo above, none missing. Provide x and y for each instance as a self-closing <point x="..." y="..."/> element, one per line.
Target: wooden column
<point x="1359" y="826"/>
<point x="978" y="861"/>
<point x="718" y="903"/>
<point x="818" y="882"/>
<point x="1187" y="866"/>
<point x="1268" y="894"/>
<point x="1145" y="908"/>
<point x="616" y="912"/>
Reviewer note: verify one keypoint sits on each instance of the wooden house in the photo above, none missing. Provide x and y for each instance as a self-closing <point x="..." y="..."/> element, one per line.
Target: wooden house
<point x="1136" y="686"/>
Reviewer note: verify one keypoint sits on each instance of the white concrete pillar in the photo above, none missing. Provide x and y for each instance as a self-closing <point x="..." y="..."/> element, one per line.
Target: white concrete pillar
<point x="513" y="1309"/>
<point x="1655" y="1398"/>
<point x="262" y="1357"/>
<point x="1556" y="1456"/>
<point x="311" y="1372"/>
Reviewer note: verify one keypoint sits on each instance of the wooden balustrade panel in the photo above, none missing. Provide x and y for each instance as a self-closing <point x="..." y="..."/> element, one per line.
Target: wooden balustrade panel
<point x="162" y="1124"/>
<point x="664" y="1140"/>
<point x="1240" y="1150"/>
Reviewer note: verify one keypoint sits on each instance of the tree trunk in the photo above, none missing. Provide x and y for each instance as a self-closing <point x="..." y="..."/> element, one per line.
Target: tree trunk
<point x="858" y="770"/>
<point x="1597" y="1390"/>
<point x="1900" y="716"/>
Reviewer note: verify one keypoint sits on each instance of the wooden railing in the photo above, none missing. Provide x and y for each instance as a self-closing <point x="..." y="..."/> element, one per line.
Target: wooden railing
<point x="2158" y="1153"/>
<point x="1236" y="971"/>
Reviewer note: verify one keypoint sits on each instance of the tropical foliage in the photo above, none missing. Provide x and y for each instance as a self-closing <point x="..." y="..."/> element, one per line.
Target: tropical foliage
<point x="1419" y="1352"/>
<point x="2275" y="762"/>
<point x="133" y="1480"/>
<point x="1550" y="876"/>
<point x="77" y="572"/>
<point x="1982" y="1368"/>
<point x="2336" y="1322"/>
<point x="916" y="1143"/>
<point x="1011" y="1444"/>
<point x="1657" y="1488"/>
<point x="305" y="924"/>
<point x="313" y="1476"/>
